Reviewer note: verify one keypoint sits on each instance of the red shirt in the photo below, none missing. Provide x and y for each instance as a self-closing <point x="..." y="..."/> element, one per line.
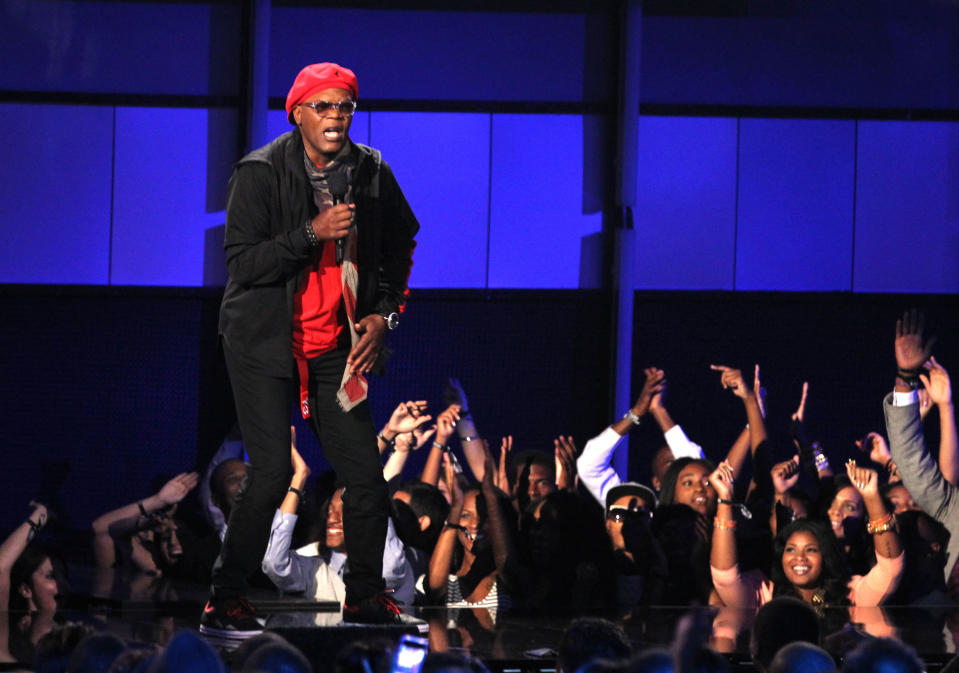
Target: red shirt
<point x="316" y="305"/>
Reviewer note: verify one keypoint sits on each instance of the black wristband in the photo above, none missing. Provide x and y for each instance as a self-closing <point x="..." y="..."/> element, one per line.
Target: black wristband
<point x="909" y="376"/>
<point x="143" y="510"/>
<point x="293" y="489"/>
<point x="736" y="505"/>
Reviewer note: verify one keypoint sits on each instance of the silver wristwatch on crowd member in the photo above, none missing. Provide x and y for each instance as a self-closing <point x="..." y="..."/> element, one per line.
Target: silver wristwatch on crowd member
<point x="633" y="418"/>
<point x="392" y="320"/>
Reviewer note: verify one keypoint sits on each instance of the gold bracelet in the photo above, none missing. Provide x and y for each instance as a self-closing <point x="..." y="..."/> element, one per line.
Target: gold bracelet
<point x="724" y="524"/>
<point x="883" y="525"/>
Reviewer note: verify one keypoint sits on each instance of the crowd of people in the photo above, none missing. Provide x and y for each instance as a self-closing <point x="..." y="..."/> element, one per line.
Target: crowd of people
<point x="486" y="530"/>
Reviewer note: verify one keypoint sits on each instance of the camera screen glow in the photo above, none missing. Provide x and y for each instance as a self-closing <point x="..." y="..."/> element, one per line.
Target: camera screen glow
<point x="409" y="658"/>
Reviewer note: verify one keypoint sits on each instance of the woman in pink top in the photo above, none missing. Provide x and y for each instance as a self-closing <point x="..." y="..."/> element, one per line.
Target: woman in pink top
<point x="809" y="562"/>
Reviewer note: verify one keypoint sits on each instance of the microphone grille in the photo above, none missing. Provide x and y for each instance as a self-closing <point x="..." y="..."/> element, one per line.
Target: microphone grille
<point x="337" y="184"/>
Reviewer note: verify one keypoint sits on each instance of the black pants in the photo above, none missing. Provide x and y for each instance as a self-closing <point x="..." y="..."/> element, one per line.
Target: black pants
<point x="348" y="439"/>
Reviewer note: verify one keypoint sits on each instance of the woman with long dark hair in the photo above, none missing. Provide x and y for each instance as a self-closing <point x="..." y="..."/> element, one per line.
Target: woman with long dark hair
<point x="467" y="568"/>
<point x="808" y="562"/>
<point x="28" y="588"/>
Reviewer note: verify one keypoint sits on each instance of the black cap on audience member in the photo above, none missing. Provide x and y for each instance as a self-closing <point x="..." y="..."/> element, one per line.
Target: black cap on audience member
<point x="627" y="488"/>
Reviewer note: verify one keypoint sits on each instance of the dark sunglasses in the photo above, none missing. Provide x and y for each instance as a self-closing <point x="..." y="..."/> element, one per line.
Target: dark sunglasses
<point x="344" y="107"/>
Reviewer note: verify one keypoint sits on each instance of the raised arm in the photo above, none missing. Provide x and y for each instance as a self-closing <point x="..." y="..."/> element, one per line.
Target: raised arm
<point x="875" y="445"/>
<point x="810" y="453"/>
<point x="442" y="557"/>
<point x="301" y="472"/>
<point x="10" y="551"/>
<point x="470" y="438"/>
<point x="723" y="558"/>
<point x="937" y="384"/>
<point x="286" y="569"/>
<point x="16" y="542"/>
<point x="882" y="523"/>
<point x="445" y="424"/>
<point x="403" y="445"/>
<point x="407" y="417"/>
<point x="499" y="535"/>
<point x="594" y="464"/>
<point x="679" y="444"/>
<point x="784" y="476"/>
<point x="564" y="451"/>
<point x="743" y="446"/>
<point x="882" y="579"/>
<point x="732" y="379"/>
<point x="920" y="471"/>
<point x="136" y="516"/>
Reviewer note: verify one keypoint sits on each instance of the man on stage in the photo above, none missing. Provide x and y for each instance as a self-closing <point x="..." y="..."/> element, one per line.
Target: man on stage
<point x="319" y="242"/>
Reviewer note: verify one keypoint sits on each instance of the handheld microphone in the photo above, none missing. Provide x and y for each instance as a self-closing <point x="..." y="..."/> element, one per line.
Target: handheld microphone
<point x="338" y="188"/>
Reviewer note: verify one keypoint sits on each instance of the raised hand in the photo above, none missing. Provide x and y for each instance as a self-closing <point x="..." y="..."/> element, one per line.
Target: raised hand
<point x="865" y="480"/>
<point x="800" y="413"/>
<point x="403" y="443"/>
<point x="759" y="392"/>
<point x="936" y="382"/>
<point x="657" y="400"/>
<point x="38" y="512"/>
<point x="732" y="379"/>
<point x="875" y="445"/>
<point x="176" y="489"/>
<point x="785" y="474"/>
<point x="652" y="388"/>
<point x="502" y="479"/>
<point x="453" y="393"/>
<point x="722" y="481"/>
<point x="564" y="450"/>
<point x="911" y="352"/>
<point x="420" y="436"/>
<point x="408" y="416"/>
<point x="446" y="423"/>
<point x="300" y="468"/>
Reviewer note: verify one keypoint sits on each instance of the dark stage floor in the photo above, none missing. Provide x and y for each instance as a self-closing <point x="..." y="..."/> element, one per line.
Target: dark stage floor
<point x="150" y="611"/>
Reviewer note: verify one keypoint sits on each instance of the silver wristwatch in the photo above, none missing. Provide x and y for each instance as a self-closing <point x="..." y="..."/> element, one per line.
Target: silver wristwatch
<point x="392" y="320"/>
<point x="633" y="418"/>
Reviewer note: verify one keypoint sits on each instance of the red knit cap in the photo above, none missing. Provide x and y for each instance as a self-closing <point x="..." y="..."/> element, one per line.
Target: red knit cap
<point x="319" y="77"/>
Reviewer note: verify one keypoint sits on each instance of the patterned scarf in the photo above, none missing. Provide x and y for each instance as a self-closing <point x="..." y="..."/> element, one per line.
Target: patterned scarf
<point x="353" y="387"/>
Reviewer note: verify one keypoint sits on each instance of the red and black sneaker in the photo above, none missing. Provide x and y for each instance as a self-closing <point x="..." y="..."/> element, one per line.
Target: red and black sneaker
<point x="231" y="619"/>
<point x="378" y="609"/>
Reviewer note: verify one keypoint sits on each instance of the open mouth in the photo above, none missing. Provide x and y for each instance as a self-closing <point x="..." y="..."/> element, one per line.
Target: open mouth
<point x="801" y="570"/>
<point x="333" y="133"/>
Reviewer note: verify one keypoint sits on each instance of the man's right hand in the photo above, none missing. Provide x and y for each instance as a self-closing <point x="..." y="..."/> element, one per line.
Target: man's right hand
<point x="334" y="222"/>
<point x="911" y="352"/>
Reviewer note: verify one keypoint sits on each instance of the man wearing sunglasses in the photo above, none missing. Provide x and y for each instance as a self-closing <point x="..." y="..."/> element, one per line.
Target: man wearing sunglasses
<point x="319" y="239"/>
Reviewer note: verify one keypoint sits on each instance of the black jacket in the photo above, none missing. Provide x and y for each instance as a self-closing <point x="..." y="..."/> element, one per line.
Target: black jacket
<point x="269" y="202"/>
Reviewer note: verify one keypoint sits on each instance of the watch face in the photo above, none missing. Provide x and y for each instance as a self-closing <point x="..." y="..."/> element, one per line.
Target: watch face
<point x="392" y="320"/>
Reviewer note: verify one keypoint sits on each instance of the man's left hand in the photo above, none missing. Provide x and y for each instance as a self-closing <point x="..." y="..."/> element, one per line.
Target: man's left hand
<point x="372" y="331"/>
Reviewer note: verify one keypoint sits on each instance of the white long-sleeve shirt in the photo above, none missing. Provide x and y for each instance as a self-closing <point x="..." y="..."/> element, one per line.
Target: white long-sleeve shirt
<point x="595" y="464"/>
<point x="322" y="578"/>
